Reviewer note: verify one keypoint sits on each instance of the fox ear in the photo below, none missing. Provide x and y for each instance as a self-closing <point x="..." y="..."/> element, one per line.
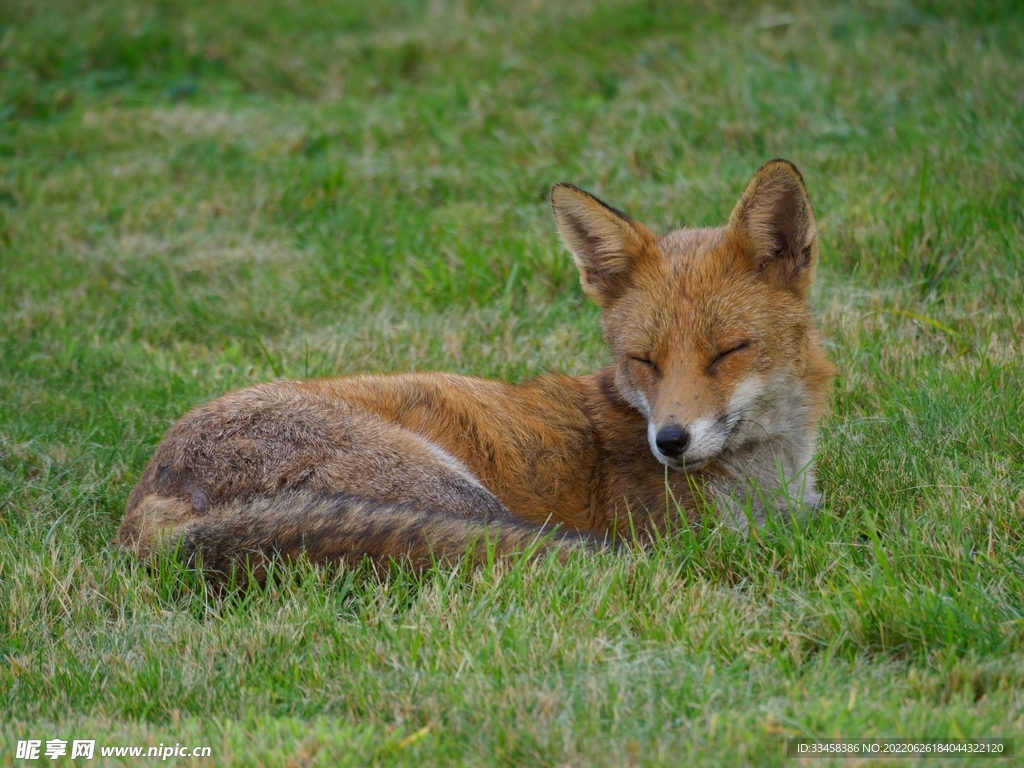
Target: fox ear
<point x="773" y="226"/>
<point x="605" y="243"/>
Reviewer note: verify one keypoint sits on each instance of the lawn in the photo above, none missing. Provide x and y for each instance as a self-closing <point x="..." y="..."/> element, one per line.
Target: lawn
<point x="198" y="196"/>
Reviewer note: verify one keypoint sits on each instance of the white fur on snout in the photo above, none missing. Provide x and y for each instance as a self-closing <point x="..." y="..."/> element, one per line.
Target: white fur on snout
<point x="708" y="436"/>
<point x="640" y="403"/>
<point x="652" y="440"/>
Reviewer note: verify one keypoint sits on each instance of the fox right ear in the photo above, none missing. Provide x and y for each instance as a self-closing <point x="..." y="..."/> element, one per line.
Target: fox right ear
<point x="605" y="243"/>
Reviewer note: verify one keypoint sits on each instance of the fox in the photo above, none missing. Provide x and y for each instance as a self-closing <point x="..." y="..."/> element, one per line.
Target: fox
<point x="711" y="404"/>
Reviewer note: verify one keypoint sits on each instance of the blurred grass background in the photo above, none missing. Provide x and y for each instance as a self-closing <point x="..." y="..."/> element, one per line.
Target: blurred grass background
<point x="196" y="196"/>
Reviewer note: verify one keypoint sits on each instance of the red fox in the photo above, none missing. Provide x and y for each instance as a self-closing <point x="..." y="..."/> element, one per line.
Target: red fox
<point x="712" y="402"/>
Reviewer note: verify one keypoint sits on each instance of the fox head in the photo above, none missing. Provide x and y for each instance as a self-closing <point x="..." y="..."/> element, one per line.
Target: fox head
<point x="710" y="330"/>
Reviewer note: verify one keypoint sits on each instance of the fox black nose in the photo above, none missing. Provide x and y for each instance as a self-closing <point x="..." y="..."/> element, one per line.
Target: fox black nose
<point x="672" y="440"/>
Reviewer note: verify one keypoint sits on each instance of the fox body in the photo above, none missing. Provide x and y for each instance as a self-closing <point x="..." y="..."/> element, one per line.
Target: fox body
<point x="712" y="401"/>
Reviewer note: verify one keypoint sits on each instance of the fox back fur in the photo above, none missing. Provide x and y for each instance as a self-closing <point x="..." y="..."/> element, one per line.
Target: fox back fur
<point x="712" y="401"/>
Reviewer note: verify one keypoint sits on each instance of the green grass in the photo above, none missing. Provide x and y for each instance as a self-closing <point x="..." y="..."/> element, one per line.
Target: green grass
<point x="197" y="196"/>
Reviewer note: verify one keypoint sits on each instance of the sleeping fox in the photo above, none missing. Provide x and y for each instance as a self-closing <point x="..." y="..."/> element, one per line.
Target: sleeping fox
<point x="712" y="402"/>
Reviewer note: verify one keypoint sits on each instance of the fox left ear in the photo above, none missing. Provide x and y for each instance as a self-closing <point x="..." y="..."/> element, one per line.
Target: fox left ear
<point x="773" y="226"/>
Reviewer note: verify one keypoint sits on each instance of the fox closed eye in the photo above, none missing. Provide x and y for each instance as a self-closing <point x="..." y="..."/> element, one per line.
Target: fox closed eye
<point x="722" y="355"/>
<point x="644" y="362"/>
